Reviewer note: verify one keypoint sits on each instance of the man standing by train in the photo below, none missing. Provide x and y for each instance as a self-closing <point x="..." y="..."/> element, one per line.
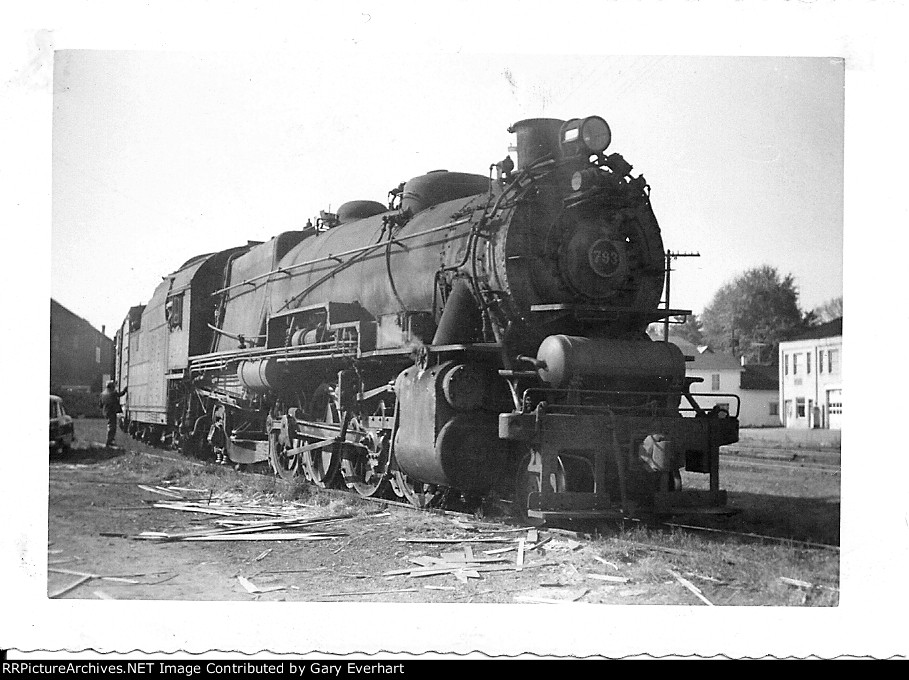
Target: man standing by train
<point x="110" y="405"/>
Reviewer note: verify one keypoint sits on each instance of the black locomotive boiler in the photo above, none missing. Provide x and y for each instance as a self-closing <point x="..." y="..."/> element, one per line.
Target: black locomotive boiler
<point x="476" y="335"/>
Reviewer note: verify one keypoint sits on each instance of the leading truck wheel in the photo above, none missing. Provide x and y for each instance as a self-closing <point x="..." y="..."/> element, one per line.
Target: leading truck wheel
<point x="418" y="494"/>
<point x="529" y="480"/>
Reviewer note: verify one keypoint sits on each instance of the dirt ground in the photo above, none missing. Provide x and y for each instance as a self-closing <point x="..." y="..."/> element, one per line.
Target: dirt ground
<point x="97" y="509"/>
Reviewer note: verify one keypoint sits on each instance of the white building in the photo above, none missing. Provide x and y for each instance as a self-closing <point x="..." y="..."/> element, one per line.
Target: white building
<point x="760" y="394"/>
<point x="723" y="374"/>
<point x="811" y="389"/>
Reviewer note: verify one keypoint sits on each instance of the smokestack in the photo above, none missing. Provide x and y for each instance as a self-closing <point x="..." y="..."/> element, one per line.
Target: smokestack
<point x="102" y="329"/>
<point x="536" y="138"/>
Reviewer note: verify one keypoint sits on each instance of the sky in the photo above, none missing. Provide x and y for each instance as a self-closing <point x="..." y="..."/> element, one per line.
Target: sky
<point x="159" y="156"/>
<point x="135" y="135"/>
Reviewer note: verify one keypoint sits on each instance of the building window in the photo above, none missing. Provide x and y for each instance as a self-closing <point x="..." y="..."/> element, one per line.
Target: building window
<point x="789" y="410"/>
<point x="833" y="361"/>
<point x="97" y="355"/>
<point x="820" y="361"/>
<point x="808" y="363"/>
<point x="785" y="364"/>
<point x="800" y="407"/>
<point x="715" y="382"/>
<point x="795" y="364"/>
<point x="774" y="408"/>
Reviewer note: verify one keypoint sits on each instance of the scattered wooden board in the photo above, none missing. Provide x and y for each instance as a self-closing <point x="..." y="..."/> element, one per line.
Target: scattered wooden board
<point x="120" y="579"/>
<point x="159" y="491"/>
<point x="804" y="584"/>
<point x="688" y="584"/>
<point x="549" y="600"/>
<point x="72" y="586"/>
<point x="611" y="564"/>
<point x="253" y="589"/>
<point x="455" y="540"/>
<point x="611" y="579"/>
<point x="267" y="537"/>
<point x="370" y="592"/>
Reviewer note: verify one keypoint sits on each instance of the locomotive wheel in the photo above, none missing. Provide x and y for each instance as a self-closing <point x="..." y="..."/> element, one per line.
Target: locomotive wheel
<point x="364" y="467"/>
<point x="283" y="467"/>
<point x="321" y="465"/>
<point x="529" y="480"/>
<point x="418" y="494"/>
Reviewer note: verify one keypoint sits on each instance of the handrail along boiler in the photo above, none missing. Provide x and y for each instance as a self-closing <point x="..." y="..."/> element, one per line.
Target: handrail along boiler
<point x="477" y="335"/>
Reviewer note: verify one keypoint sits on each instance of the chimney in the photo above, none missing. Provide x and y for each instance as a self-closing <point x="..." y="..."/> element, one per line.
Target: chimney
<point x="102" y="329"/>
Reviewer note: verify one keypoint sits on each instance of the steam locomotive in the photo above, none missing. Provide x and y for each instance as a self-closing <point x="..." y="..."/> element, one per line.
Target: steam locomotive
<point x="476" y="336"/>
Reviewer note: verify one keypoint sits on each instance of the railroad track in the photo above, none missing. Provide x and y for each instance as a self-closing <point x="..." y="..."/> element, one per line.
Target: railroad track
<point x="744" y="460"/>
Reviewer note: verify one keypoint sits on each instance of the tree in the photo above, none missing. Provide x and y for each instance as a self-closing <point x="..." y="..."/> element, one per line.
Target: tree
<point x="690" y="330"/>
<point x="830" y="310"/>
<point x="751" y="315"/>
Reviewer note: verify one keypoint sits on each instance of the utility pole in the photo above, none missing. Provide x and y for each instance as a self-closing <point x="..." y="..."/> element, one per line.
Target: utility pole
<point x="670" y="256"/>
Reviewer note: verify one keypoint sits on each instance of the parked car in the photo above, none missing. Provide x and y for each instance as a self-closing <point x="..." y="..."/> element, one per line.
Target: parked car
<point x="62" y="432"/>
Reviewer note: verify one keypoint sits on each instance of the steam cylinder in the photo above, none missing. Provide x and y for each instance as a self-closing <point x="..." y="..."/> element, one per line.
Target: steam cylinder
<point x="260" y="375"/>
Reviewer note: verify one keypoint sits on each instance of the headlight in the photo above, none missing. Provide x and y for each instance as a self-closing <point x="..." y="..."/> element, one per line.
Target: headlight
<point x="584" y="135"/>
<point x="595" y="134"/>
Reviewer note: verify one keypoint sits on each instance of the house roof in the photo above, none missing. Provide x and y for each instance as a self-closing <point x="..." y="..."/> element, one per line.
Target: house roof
<point x="61" y="309"/>
<point x="760" y="377"/>
<point x="831" y="329"/>
<point x="705" y="359"/>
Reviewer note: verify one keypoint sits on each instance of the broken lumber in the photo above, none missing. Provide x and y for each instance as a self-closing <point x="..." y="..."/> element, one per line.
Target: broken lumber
<point x="70" y="587"/>
<point x="804" y="584"/>
<point x="688" y="584"/>
<point x="253" y="589"/>
<point x="120" y="579"/>
<point x="549" y="600"/>
<point x="370" y="592"/>
<point x="266" y="537"/>
<point x="160" y="492"/>
<point x="606" y="577"/>
<point x="455" y="540"/>
<point x="611" y="564"/>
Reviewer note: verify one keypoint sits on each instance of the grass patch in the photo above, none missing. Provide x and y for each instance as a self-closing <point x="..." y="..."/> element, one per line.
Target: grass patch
<point x="729" y="570"/>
